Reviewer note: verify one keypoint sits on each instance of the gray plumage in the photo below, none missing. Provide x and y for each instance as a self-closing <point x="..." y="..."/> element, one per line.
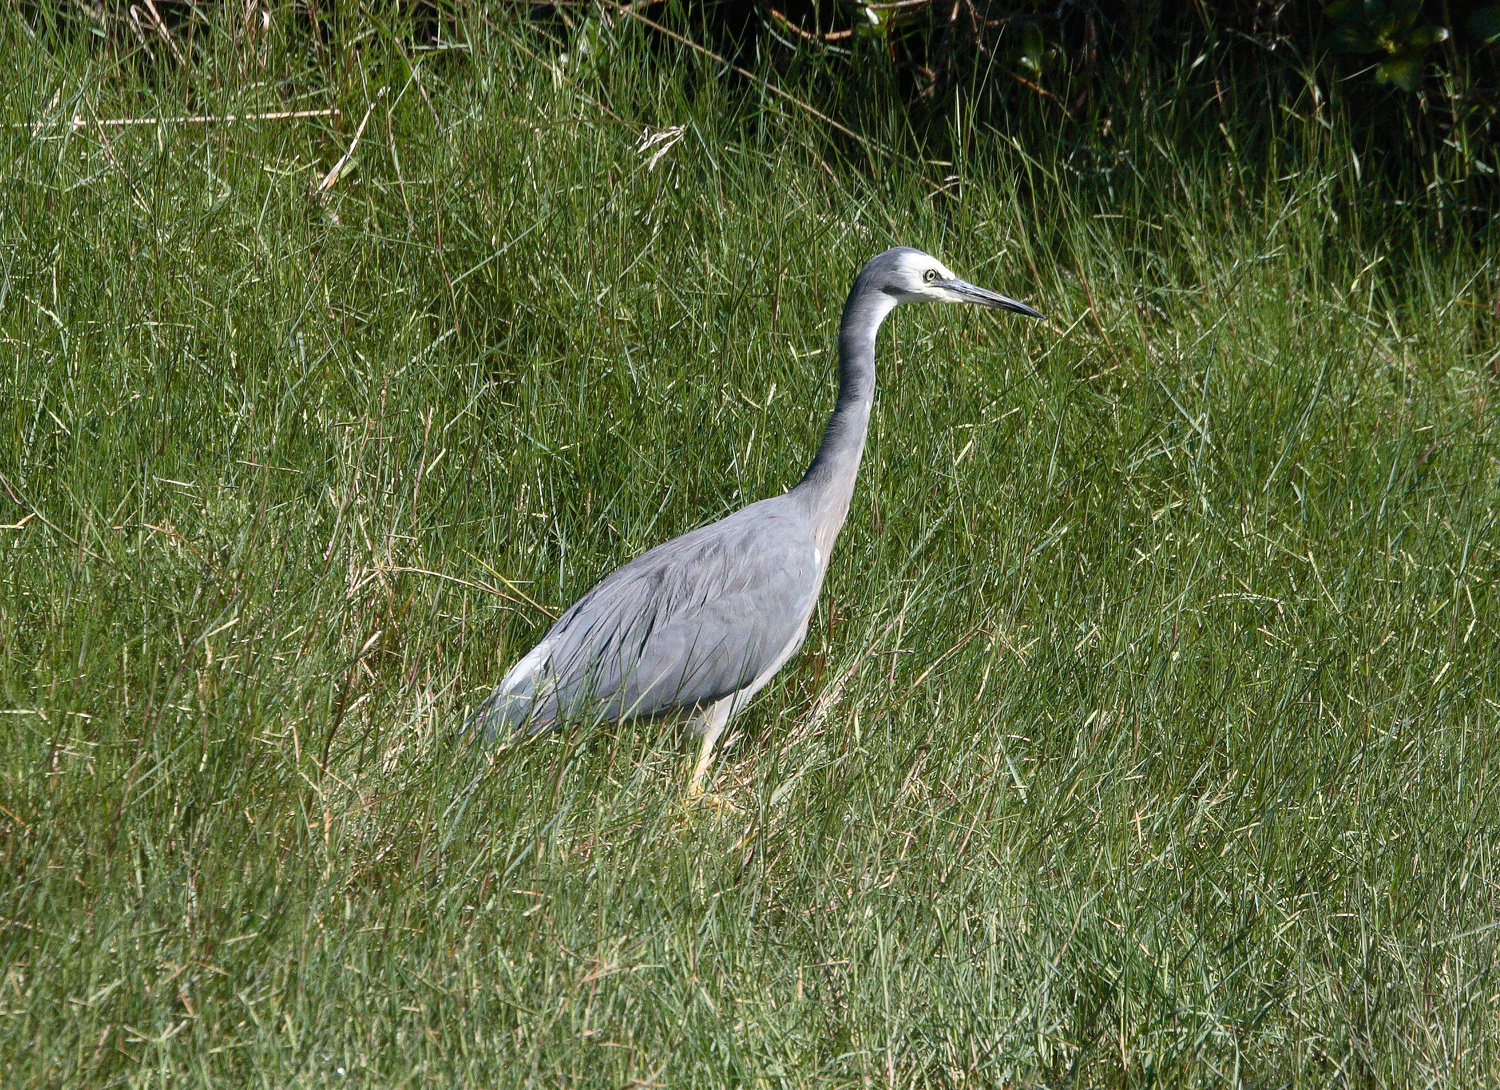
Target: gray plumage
<point x="698" y="625"/>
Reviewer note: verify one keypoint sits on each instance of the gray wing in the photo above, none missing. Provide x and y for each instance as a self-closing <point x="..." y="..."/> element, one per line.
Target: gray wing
<point x="686" y="624"/>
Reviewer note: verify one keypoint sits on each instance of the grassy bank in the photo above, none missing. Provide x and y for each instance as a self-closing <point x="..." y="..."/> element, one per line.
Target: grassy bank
<point x="1145" y="731"/>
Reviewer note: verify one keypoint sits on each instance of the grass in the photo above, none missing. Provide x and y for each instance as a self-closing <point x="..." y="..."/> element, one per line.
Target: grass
<point x="1144" y="734"/>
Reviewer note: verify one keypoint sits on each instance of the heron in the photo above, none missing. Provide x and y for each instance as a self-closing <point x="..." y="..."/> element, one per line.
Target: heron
<point x="695" y="627"/>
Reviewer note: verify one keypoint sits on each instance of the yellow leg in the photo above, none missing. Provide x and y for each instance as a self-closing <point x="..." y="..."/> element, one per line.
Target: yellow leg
<point x="714" y="720"/>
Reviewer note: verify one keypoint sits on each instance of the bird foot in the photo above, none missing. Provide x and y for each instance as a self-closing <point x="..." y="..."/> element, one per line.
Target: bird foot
<point x="710" y="800"/>
<point x="698" y="797"/>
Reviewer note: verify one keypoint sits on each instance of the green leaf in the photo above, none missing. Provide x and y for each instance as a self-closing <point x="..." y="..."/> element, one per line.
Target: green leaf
<point x="1354" y="39"/>
<point x="1484" y="24"/>
<point x="1033" y="47"/>
<point x="1425" y="36"/>
<point x="1404" y="70"/>
<point x="1406" y="11"/>
<point x="1365" y="26"/>
<point x="1354" y="24"/>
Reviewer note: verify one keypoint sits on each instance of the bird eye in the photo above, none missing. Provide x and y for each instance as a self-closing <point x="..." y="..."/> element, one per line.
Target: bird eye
<point x="930" y="275"/>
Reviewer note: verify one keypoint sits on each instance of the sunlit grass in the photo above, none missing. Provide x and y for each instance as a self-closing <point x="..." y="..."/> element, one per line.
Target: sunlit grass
<point x="1143" y="733"/>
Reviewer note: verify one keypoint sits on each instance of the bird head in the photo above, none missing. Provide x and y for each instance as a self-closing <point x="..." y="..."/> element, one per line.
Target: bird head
<point x="910" y="276"/>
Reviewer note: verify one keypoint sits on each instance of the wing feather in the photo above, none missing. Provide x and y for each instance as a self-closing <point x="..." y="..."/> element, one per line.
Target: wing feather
<point x="681" y="626"/>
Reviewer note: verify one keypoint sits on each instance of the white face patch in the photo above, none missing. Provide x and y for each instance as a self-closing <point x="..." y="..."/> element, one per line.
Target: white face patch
<point x="915" y="270"/>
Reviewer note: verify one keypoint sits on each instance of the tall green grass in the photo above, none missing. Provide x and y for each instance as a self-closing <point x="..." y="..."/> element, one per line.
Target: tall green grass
<point x="1144" y="734"/>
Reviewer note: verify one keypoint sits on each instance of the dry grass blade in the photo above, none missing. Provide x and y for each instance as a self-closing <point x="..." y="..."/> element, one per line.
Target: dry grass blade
<point x="337" y="170"/>
<point x="79" y="122"/>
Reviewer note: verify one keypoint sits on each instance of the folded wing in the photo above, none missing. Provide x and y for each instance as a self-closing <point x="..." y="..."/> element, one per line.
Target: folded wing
<point x="684" y="625"/>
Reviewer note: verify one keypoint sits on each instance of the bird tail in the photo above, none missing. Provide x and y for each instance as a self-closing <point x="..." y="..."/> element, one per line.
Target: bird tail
<point x="507" y="717"/>
<point x="500" y="716"/>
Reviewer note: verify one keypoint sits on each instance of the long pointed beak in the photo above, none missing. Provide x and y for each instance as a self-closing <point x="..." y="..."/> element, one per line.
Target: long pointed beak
<point x="973" y="293"/>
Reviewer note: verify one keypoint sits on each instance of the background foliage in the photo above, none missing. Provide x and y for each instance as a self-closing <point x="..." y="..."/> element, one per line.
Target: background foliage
<point x="1416" y="81"/>
<point x="1145" y="731"/>
<point x="1423" y="75"/>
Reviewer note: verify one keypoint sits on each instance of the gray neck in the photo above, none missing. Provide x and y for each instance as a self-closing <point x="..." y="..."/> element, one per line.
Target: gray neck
<point x="828" y="485"/>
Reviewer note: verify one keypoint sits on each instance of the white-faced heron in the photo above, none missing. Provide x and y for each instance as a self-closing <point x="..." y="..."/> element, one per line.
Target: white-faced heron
<point x="696" y="627"/>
